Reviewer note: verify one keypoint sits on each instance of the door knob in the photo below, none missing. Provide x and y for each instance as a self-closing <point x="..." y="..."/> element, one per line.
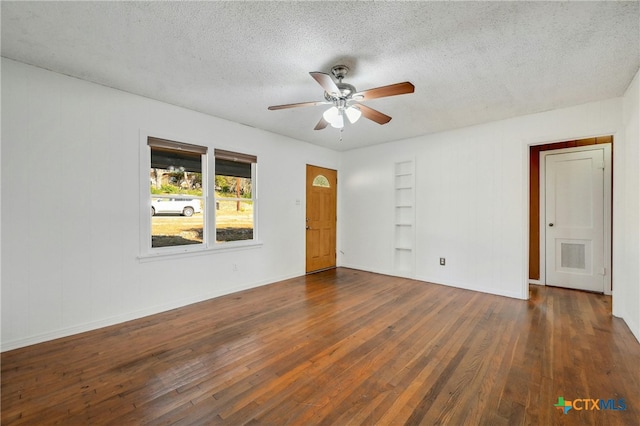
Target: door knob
<point x="307" y="227"/>
<point x="551" y="224"/>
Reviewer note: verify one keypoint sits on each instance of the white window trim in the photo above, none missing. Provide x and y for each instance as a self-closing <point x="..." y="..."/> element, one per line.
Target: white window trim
<point x="148" y="253"/>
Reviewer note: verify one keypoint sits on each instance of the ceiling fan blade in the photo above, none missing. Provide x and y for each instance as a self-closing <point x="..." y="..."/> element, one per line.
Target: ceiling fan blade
<point x="374" y="115"/>
<point x="321" y="124"/>
<point x="301" y="104"/>
<point x="325" y="81"/>
<point x="384" y="91"/>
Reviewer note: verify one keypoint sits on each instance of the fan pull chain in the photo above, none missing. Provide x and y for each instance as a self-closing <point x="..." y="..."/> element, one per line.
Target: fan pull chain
<point x="341" y="130"/>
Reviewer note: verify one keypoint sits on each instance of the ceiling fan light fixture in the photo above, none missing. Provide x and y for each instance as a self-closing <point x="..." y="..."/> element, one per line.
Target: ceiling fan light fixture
<point x="342" y="95"/>
<point x="334" y="116"/>
<point x="338" y="123"/>
<point x="353" y="114"/>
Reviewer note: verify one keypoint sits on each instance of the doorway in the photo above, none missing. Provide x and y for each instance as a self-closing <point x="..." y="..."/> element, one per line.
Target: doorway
<point x="570" y="215"/>
<point x="321" y="218"/>
<point x="574" y="218"/>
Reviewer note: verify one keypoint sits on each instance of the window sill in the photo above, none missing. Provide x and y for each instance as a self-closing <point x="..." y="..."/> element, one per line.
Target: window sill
<point x="189" y="251"/>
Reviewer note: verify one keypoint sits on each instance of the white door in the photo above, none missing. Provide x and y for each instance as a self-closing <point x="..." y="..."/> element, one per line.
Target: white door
<point x="574" y="220"/>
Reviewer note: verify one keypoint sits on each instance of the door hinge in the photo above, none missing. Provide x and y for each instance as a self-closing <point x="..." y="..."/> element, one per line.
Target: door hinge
<point x="600" y="165"/>
<point x="603" y="271"/>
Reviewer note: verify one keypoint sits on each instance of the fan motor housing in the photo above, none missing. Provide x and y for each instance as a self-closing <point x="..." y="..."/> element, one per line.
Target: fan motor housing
<point x="346" y="90"/>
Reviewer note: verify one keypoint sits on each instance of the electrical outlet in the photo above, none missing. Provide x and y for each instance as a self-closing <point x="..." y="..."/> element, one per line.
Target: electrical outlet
<point x="442" y="261"/>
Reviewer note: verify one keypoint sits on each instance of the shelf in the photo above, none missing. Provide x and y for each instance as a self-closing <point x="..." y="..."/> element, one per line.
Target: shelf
<point x="404" y="218"/>
<point x="404" y="168"/>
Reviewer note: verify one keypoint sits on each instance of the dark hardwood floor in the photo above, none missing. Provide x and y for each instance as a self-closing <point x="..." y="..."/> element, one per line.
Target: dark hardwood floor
<point x="341" y="347"/>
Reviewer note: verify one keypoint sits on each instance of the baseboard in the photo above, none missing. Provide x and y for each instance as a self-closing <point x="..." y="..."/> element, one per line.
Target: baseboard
<point x="494" y="291"/>
<point x="633" y="325"/>
<point x="118" y="319"/>
<point x="368" y="269"/>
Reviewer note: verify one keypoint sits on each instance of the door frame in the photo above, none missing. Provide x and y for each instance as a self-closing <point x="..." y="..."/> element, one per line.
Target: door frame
<point x="608" y="207"/>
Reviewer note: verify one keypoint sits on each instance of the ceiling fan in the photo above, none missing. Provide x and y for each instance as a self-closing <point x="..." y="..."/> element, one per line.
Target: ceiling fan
<point x="345" y="100"/>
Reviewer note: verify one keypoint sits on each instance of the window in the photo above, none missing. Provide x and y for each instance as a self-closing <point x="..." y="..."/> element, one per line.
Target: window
<point x="191" y="210"/>
<point x="321" y="181"/>
<point x="234" y="194"/>
<point x="177" y="198"/>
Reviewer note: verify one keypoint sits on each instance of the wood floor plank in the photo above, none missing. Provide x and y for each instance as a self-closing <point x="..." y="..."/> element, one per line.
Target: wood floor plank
<point x="340" y="347"/>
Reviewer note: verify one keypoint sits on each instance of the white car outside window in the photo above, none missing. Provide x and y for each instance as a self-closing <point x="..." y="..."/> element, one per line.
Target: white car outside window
<point x="185" y="207"/>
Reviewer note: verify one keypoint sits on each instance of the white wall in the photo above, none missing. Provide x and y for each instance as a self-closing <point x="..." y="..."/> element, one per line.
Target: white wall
<point x="70" y="161"/>
<point x="626" y="260"/>
<point x="70" y="207"/>
<point x="472" y="189"/>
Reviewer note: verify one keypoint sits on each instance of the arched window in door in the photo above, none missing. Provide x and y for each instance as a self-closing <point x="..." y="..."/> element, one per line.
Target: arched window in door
<point x="321" y="181"/>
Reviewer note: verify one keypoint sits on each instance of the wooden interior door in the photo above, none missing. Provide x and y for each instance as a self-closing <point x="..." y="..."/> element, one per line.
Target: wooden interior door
<point x="321" y="218"/>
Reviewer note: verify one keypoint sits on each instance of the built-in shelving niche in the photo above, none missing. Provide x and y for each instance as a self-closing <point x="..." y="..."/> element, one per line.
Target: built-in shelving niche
<point x="404" y="218"/>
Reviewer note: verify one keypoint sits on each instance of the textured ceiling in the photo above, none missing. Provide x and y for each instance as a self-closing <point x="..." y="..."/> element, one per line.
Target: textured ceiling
<point x="471" y="62"/>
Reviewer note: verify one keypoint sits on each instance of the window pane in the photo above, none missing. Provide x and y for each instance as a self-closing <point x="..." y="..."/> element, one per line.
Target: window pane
<point x="234" y="219"/>
<point x="176" y="197"/>
<point x="234" y="187"/>
<point x="233" y="168"/>
<point x="175" y="180"/>
<point x="174" y="227"/>
<point x="234" y="201"/>
<point x="321" y="181"/>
